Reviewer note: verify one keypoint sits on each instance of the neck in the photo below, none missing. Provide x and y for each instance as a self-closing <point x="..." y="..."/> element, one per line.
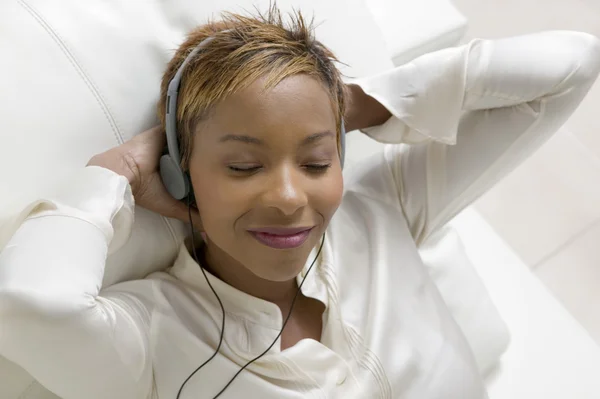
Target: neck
<point x="236" y="275"/>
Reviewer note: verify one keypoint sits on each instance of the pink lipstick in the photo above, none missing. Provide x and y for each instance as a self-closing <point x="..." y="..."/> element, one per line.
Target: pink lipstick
<point x="281" y="237"/>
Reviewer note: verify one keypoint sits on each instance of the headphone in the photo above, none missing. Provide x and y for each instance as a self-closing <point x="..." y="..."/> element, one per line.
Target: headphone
<point x="177" y="182"/>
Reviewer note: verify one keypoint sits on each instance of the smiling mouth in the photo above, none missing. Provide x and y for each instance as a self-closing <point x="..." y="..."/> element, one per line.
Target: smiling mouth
<point x="282" y="238"/>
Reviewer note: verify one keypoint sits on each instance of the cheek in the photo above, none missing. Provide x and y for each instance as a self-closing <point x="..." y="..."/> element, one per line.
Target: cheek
<point x="328" y="196"/>
<point x="218" y="204"/>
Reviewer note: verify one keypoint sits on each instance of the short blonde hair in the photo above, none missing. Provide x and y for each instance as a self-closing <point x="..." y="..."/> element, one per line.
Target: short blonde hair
<point x="244" y="49"/>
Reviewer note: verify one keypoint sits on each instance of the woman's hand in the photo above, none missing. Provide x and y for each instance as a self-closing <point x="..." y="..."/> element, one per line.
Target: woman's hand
<point x="363" y="111"/>
<point x="138" y="160"/>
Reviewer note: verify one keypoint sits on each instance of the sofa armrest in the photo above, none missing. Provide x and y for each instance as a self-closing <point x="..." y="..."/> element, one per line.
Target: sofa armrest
<point x="550" y="355"/>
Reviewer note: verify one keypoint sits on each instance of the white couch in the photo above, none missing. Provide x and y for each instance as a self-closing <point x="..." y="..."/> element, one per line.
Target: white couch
<point x="80" y="77"/>
<point x="550" y="355"/>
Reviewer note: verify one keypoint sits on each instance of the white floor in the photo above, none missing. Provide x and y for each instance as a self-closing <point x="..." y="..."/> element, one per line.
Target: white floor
<point x="548" y="210"/>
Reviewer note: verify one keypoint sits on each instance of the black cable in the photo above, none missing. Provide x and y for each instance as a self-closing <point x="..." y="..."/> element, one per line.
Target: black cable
<point x="284" y="323"/>
<point x="223" y="311"/>
<point x="214" y="292"/>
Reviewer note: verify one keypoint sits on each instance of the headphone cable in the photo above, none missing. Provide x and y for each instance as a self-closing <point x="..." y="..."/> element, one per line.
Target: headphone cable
<point x="214" y="292"/>
<point x="223" y="312"/>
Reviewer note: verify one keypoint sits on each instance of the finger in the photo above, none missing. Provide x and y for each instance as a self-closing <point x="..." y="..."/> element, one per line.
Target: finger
<point x="176" y="210"/>
<point x="161" y="202"/>
<point x="156" y="198"/>
<point x="180" y="210"/>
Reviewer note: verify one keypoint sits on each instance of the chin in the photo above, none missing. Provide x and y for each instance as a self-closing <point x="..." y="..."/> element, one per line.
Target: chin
<point x="279" y="267"/>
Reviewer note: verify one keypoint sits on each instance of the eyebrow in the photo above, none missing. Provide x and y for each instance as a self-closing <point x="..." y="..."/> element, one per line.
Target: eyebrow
<point x="241" y="138"/>
<point x="316" y="137"/>
<point x="256" y="141"/>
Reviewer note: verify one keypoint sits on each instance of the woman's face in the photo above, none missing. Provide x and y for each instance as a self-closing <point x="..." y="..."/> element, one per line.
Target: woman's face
<point x="267" y="176"/>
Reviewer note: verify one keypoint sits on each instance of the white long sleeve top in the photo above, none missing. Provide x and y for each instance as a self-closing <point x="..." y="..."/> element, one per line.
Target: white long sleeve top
<point x="470" y="114"/>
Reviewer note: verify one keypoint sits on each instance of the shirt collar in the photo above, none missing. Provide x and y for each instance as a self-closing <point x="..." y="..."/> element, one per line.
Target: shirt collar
<point x="243" y="305"/>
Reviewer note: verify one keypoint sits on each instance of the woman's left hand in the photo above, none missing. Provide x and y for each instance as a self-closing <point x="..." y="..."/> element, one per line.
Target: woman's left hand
<point x="362" y="110"/>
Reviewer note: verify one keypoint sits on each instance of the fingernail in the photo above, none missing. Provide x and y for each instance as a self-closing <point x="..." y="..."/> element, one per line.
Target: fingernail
<point x="203" y="235"/>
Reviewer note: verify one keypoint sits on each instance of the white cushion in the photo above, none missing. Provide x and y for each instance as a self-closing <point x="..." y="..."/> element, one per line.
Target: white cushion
<point x="413" y="28"/>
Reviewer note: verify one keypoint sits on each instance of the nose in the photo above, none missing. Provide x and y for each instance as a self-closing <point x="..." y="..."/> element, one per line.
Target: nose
<point x="285" y="190"/>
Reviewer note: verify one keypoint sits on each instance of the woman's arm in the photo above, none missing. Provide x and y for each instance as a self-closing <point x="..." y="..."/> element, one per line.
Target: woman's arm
<point x="474" y="113"/>
<point x="54" y="321"/>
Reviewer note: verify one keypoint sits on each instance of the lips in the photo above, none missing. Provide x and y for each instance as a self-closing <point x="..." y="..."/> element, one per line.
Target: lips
<point x="281" y="237"/>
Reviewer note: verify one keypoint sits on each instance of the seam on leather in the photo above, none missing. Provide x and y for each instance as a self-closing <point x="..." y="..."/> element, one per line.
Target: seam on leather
<point x="79" y="68"/>
<point x="93" y="89"/>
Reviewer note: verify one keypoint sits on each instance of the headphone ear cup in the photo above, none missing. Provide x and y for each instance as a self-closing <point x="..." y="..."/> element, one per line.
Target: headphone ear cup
<point x="175" y="181"/>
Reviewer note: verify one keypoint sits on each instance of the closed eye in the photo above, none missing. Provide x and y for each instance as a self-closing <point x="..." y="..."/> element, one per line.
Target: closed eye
<point x="317" y="168"/>
<point x="249" y="169"/>
<point x="244" y="168"/>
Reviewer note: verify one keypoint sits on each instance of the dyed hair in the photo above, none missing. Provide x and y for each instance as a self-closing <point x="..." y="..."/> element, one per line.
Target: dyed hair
<point x="244" y="49"/>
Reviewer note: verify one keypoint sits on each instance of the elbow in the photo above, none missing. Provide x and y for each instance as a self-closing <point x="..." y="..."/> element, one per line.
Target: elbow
<point x="590" y="59"/>
<point x="27" y="316"/>
<point x="585" y="49"/>
<point x="20" y="312"/>
<point x="26" y="306"/>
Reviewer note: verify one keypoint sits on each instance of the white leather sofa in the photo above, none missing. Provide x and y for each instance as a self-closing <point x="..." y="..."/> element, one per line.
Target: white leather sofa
<point x="79" y="77"/>
<point x="550" y="355"/>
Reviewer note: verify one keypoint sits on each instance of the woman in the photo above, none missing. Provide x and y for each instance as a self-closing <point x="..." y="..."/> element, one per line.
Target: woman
<point x="259" y="118"/>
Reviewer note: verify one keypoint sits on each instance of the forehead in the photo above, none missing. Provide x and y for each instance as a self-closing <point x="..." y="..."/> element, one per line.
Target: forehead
<point x="297" y="101"/>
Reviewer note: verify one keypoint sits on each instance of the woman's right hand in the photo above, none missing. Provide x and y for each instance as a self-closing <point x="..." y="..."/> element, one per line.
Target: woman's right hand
<point x="138" y="160"/>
